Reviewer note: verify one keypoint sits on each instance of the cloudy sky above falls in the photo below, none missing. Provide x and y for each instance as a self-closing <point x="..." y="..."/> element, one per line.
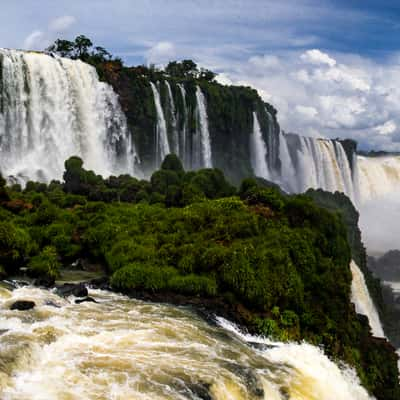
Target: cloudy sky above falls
<point x="331" y="68"/>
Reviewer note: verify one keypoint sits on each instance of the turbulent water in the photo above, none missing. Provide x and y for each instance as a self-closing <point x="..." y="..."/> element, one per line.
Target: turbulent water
<point x="363" y="301"/>
<point x="125" y="349"/>
<point x="52" y="108"/>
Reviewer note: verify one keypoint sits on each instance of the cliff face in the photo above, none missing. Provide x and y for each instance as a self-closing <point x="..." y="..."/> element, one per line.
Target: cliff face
<point x="229" y="114"/>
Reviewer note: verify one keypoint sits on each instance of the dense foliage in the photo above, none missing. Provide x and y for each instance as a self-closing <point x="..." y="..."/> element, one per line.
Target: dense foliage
<point x="281" y="262"/>
<point x="382" y="295"/>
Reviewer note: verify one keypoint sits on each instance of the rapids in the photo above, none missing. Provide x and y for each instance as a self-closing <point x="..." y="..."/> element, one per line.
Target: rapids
<point x="122" y="348"/>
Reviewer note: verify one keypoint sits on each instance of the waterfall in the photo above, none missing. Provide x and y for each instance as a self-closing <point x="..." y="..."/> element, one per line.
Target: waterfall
<point x="174" y="127"/>
<point x="363" y="302"/>
<point x="162" y="144"/>
<point x="287" y="172"/>
<point x="52" y="108"/>
<point x="184" y="131"/>
<point x="378" y="176"/>
<point x="345" y="170"/>
<point x="121" y="348"/>
<point x="258" y="150"/>
<point x="202" y="132"/>
<point x="314" y="163"/>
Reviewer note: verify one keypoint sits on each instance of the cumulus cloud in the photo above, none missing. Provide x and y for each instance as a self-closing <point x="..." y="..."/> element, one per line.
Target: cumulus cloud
<point x="40" y="39"/>
<point x="61" y="24"/>
<point x="33" y="40"/>
<point x="387" y="128"/>
<point x="337" y="95"/>
<point x="161" y="53"/>
<point x="317" y="57"/>
<point x="307" y="112"/>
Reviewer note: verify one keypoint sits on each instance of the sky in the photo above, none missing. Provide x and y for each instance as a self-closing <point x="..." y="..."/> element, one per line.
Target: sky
<point x="330" y="68"/>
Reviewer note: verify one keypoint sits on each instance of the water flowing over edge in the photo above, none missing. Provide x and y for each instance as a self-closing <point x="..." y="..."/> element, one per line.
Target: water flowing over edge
<point x="363" y="301"/>
<point x="52" y="108"/>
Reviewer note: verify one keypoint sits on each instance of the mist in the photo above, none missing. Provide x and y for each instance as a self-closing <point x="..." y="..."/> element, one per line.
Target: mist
<point x="380" y="223"/>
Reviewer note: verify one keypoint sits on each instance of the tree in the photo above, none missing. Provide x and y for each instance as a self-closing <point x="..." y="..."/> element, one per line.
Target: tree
<point x="64" y="48"/>
<point x="207" y="75"/>
<point x="102" y="53"/>
<point x="73" y="174"/>
<point x="183" y="69"/>
<point x="3" y="193"/>
<point x="82" y="45"/>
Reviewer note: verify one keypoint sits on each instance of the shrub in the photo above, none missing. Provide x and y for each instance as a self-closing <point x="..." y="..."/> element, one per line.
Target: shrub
<point x="45" y="263"/>
<point x="194" y="285"/>
<point x="137" y="276"/>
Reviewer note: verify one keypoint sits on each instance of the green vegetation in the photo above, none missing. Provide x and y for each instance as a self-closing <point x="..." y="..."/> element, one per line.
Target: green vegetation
<point x="380" y="293"/>
<point x="229" y="108"/>
<point x="81" y="48"/>
<point x="280" y="262"/>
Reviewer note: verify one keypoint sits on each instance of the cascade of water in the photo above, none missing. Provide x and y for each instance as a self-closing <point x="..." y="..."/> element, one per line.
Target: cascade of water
<point x="203" y="131"/>
<point x="52" y="108"/>
<point x="316" y="163"/>
<point x="151" y="352"/>
<point x="174" y="126"/>
<point x="287" y="172"/>
<point x="162" y="144"/>
<point x="346" y="172"/>
<point x="184" y="131"/>
<point x="363" y="302"/>
<point x="378" y="176"/>
<point x="258" y="150"/>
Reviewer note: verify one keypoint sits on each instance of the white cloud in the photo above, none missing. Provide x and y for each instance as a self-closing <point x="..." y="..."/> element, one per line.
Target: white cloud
<point x="34" y="40"/>
<point x="387" y="128"/>
<point x="307" y="112"/>
<point x="61" y="24"/>
<point x="161" y="53"/>
<point x="317" y="57"/>
<point x="40" y="39"/>
<point x="339" y="95"/>
<point x="265" y="62"/>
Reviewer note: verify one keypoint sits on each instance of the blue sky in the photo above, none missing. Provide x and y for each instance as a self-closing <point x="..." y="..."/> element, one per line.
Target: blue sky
<point x="331" y="68"/>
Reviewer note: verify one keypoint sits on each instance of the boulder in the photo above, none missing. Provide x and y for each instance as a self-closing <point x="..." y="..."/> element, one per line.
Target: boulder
<point x="46" y="282"/>
<point x="85" y="300"/>
<point x="72" y="289"/>
<point x="22" y="305"/>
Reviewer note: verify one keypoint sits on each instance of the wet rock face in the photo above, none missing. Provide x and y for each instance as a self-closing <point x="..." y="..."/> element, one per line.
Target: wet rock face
<point x="71" y="289"/>
<point x="22" y="305"/>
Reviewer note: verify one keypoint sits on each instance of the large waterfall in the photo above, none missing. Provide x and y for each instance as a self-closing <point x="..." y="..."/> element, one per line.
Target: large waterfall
<point x="378" y="176"/>
<point x="314" y="163"/>
<point x="62" y="350"/>
<point x="193" y="147"/>
<point x="52" y="108"/>
<point x="363" y="302"/>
